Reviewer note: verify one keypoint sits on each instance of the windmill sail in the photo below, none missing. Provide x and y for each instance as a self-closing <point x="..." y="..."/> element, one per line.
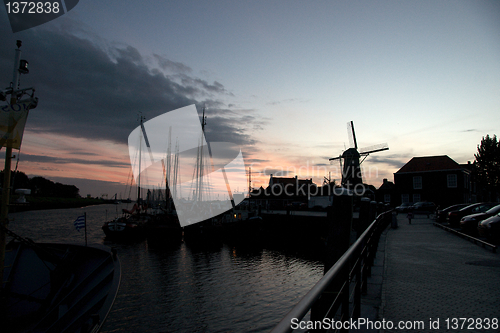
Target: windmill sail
<point x="352" y="135"/>
<point x="374" y="149"/>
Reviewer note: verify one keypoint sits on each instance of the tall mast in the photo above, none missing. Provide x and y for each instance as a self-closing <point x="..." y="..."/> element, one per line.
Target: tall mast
<point x="140" y="159"/>
<point x="168" y="171"/>
<point x="201" y="171"/>
<point x="203" y="121"/>
<point x="249" y="181"/>
<point x="176" y="169"/>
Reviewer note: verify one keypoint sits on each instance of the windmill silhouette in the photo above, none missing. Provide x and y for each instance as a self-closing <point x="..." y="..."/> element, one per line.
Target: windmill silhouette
<point x="351" y="171"/>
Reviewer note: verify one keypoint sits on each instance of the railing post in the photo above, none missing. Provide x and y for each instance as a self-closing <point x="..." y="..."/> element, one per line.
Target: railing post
<point x="373" y="211"/>
<point x="339" y="217"/>
<point x="364" y="270"/>
<point x="364" y="215"/>
<point x="357" y="287"/>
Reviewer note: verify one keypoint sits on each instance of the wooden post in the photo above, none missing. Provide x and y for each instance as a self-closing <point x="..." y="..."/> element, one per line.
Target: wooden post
<point x="4" y="219"/>
<point x="85" y="218"/>
<point x="339" y="217"/>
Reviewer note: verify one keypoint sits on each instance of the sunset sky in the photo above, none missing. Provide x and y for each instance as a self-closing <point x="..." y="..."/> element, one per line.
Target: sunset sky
<point x="281" y="79"/>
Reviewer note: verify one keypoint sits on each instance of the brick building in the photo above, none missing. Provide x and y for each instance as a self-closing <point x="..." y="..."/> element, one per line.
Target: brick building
<point x="437" y="179"/>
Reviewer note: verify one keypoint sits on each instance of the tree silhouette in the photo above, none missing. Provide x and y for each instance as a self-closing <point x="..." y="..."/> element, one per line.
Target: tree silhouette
<point x="41" y="186"/>
<point x="487" y="164"/>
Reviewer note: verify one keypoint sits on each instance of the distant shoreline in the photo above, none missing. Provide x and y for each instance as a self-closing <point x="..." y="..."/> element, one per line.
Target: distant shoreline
<point x="43" y="203"/>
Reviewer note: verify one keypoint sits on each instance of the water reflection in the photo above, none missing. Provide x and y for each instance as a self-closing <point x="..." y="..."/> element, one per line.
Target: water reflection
<point x="190" y="287"/>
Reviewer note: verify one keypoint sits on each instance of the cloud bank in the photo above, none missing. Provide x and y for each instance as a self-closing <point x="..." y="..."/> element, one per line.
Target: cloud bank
<point x="91" y="88"/>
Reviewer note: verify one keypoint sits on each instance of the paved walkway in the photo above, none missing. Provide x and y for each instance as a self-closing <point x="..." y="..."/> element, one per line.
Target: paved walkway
<point x="430" y="274"/>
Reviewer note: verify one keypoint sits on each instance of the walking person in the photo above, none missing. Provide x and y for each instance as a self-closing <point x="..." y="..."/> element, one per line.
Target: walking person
<point x="409" y="216"/>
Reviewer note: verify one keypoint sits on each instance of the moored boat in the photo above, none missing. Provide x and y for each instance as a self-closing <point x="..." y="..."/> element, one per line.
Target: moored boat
<point x="58" y="287"/>
<point x="47" y="287"/>
<point x="128" y="227"/>
<point x="163" y="228"/>
<point x="242" y="222"/>
<point x="124" y="228"/>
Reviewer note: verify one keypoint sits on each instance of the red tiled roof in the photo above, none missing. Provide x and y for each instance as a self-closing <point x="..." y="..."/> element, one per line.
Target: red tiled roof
<point x="430" y="163"/>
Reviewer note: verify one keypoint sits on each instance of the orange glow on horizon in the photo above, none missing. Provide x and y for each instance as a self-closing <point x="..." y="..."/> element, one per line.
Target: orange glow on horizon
<point x="63" y="156"/>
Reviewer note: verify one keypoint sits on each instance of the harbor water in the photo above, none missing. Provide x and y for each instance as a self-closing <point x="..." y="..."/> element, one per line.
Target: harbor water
<point x="186" y="287"/>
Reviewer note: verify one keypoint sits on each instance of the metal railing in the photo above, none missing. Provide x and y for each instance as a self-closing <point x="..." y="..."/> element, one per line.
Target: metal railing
<point x="468" y="237"/>
<point x="350" y="274"/>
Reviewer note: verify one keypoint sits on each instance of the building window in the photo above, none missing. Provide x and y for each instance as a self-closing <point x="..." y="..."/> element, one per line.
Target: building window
<point x="387" y="198"/>
<point x="452" y="180"/>
<point x="405" y="198"/>
<point x="417" y="182"/>
<point x="416" y="197"/>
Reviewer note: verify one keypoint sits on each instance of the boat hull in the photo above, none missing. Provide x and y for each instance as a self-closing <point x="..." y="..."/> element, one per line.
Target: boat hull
<point x="58" y="287"/>
<point x="163" y="229"/>
<point x="124" y="229"/>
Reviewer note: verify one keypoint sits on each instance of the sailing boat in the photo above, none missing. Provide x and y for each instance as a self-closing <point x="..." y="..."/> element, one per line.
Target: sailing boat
<point x="244" y="220"/>
<point x="130" y="226"/>
<point x="208" y="229"/>
<point x="47" y="287"/>
<point x="208" y="193"/>
<point x="164" y="228"/>
<point x="223" y="217"/>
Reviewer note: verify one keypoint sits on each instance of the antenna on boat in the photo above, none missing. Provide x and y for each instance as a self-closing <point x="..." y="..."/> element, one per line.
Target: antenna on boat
<point x="203" y="121"/>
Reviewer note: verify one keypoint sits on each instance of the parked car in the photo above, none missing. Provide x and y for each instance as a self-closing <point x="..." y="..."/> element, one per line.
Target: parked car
<point x="455" y="216"/>
<point x="404" y="207"/>
<point x="424" y="206"/>
<point x="490" y="227"/>
<point x="442" y="214"/>
<point x="470" y="222"/>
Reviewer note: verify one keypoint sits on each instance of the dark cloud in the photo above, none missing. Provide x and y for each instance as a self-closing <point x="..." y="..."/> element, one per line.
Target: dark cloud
<point x="88" y="88"/>
<point x="256" y="160"/>
<point x="202" y="87"/>
<point x="169" y="65"/>
<point x="232" y="125"/>
<point x="62" y="160"/>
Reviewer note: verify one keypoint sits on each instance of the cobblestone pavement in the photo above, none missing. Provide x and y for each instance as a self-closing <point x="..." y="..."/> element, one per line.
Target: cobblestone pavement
<point x="431" y="275"/>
